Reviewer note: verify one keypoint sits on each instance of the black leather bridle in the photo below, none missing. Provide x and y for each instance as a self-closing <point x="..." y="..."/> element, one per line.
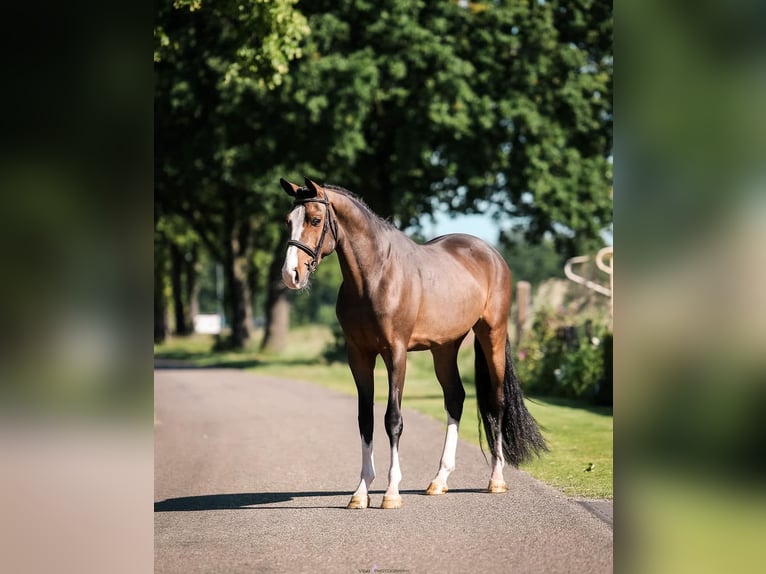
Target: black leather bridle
<point x="328" y="224"/>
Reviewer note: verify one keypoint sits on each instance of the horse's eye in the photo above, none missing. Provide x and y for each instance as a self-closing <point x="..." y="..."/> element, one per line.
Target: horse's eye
<point x="316" y="221"/>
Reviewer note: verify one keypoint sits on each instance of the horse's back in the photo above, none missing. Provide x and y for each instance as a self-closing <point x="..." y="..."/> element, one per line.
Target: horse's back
<point x="476" y="255"/>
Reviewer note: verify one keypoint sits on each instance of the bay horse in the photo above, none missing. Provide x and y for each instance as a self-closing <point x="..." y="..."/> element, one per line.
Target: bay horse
<point x="398" y="296"/>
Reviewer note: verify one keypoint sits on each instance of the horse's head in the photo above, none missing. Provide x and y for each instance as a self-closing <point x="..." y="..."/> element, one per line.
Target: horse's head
<point x="313" y="232"/>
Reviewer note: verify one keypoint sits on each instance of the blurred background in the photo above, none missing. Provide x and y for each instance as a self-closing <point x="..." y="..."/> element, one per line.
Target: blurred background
<point x="500" y="112"/>
<point x="427" y="110"/>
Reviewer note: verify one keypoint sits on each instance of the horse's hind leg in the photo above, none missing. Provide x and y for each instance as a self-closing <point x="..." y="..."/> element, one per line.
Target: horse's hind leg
<point x="362" y="367"/>
<point x="445" y="365"/>
<point x="492" y="342"/>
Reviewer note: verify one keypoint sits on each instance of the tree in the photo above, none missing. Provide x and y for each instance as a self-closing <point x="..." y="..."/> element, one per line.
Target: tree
<point x="277" y="307"/>
<point x="180" y="246"/>
<point x="532" y="262"/>
<point x="160" y="296"/>
<point x="506" y="103"/>
<point x="544" y="150"/>
<point x="214" y="61"/>
<point x="408" y="103"/>
<point x="375" y="96"/>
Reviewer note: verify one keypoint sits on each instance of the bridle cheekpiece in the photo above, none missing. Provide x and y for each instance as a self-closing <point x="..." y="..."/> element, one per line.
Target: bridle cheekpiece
<point x="328" y="224"/>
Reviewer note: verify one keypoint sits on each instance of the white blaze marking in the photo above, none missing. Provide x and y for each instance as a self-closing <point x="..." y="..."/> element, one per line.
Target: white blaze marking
<point x="291" y="259"/>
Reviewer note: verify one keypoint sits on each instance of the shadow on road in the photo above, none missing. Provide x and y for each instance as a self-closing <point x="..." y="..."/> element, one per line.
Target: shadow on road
<point x="170" y="362"/>
<point x="232" y="501"/>
<point x="250" y="500"/>
<point x="176" y="364"/>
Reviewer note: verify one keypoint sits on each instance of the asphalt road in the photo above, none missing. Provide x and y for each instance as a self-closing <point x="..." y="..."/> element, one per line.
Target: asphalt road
<point x="253" y="474"/>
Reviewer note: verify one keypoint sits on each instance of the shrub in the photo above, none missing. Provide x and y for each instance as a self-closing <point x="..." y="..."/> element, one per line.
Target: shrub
<point x="558" y="358"/>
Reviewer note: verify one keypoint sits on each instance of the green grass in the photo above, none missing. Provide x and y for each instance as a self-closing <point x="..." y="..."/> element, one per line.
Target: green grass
<point x="579" y="435"/>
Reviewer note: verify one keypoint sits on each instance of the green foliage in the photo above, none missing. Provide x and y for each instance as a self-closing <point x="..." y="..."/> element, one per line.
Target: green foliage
<point x="542" y="152"/>
<point x="216" y="64"/>
<point x="409" y="104"/>
<point x="415" y="103"/>
<point x="316" y="304"/>
<point x="558" y="358"/>
<point x="261" y="38"/>
<point x="582" y="369"/>
<point x="532" y="262"/>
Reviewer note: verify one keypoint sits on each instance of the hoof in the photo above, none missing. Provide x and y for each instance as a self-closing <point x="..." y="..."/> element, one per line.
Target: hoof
<point x="497" y="486"/>
<point x="359" y="502"/>
<point x="436" y="488"/>
<point x="392" y="502"/>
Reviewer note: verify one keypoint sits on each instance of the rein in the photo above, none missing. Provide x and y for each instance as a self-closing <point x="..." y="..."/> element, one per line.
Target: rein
<point x="332" y="226"/>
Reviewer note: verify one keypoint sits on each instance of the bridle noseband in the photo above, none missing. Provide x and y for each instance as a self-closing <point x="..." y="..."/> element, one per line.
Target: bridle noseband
<point x="331" y="225"/>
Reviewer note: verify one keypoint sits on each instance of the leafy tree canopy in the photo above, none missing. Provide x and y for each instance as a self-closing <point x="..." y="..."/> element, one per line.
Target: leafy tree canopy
<point x="411" y="104"/>
<point x="215" y="63"/>
<point x="505" y="104"/>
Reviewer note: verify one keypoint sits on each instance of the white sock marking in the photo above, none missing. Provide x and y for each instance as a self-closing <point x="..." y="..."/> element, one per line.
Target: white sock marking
<point x="394" y="474"/>
<point x="447" y="464"/>
<point x="498" y="462"/>
<point x="368" y="470"/>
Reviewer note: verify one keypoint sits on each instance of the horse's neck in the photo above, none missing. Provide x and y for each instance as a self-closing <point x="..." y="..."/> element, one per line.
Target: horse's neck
<point x="365" y="247"/>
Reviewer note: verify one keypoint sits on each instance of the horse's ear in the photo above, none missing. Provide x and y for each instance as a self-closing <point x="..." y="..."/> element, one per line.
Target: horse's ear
<point x="290" y="188"/>
<point x="312" y="187"/>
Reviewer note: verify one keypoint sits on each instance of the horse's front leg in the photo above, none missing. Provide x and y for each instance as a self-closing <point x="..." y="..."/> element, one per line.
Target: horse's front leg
<point x="396" y="363"/>
<point x="362" y="368"/>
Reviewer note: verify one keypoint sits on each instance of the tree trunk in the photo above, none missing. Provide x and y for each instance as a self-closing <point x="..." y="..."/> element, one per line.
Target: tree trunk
<point x="177" y="264"/>
<point x="237" y="297"/>
<point x="160" y="301"/>
<point x="277" y="310"/>
<point x="238" y="259"/>
<point x="192" y="286"/>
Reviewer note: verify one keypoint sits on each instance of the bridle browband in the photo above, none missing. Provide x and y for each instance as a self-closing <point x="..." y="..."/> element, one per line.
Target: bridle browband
<point x="328" y="224"/>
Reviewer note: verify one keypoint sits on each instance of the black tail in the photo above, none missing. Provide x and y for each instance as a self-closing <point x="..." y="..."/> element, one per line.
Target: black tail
<point x="521" y="436"/>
